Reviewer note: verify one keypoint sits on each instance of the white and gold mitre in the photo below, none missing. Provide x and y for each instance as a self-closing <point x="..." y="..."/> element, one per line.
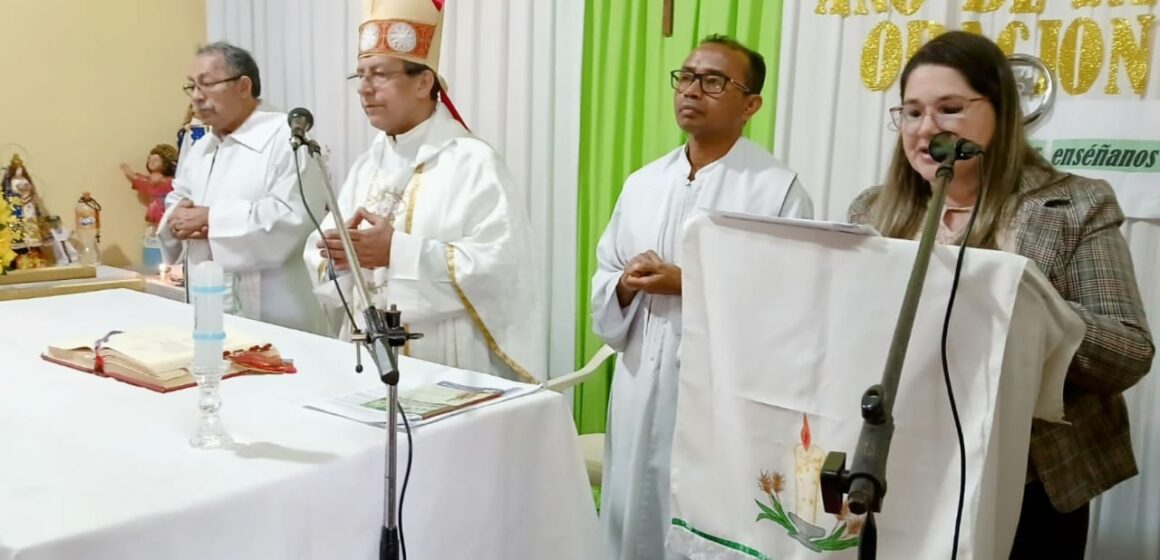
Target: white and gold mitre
<point x="406" y="29"/>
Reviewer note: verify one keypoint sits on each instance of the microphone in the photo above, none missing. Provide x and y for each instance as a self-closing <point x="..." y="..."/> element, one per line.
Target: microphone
<point x="948" y="144"/>
<point x="300" y="121"/>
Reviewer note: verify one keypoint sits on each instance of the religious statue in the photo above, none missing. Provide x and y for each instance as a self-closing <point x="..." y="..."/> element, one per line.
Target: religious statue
<point x="155" y="183"/>
<point x="64" y="242"/>
<point x="7" y="255"/>
<point x="30" y="219"/>
<point x="191" y="131"/>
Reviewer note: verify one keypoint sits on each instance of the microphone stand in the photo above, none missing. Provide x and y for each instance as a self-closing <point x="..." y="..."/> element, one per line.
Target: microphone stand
<point x="384" y="336"/>
<point x="865" y="481"/>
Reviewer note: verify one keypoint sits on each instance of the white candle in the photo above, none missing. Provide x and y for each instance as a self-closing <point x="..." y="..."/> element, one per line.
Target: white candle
<point x="807" y="472"/>
<point x="207" y="287"/>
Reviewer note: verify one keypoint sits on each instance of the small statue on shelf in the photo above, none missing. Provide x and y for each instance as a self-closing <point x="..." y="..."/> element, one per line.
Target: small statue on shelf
<point x="30" y="226"/>
<point x="155" y="183"/>
<point x="64" y="242"/>
<point x="7" y="222"/>
<point x="22" y="197"/>
<point x="190" y="132"/>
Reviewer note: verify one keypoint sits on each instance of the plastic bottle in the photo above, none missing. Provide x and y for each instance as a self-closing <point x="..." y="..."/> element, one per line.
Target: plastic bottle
<point x="88" y="215"/>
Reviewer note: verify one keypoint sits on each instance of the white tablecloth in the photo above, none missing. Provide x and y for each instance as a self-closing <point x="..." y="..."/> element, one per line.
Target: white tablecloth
<point x="96" y="469"/>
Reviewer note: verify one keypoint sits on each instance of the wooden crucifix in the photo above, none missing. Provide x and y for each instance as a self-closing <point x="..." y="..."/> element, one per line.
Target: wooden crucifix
<point x="667" y="24"/>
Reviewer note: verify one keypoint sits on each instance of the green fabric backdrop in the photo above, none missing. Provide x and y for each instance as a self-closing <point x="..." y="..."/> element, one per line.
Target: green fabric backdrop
<point x="626" y="120"/>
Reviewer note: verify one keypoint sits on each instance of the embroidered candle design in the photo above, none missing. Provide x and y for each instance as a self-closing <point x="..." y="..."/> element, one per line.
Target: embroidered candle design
<point x="807" y="472"/>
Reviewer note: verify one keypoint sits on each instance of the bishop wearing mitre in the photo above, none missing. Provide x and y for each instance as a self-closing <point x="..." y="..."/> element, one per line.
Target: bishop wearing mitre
<point x="436" y="223"/>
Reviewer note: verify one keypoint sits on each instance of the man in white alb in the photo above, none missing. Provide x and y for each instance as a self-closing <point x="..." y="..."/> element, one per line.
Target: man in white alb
<point x="236" y="199"/>
<point x="636" y="291"/>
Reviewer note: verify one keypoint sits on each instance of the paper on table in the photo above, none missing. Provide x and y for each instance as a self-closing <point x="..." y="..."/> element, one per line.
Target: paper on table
<point x="858" y="229"/>
<point x="360" y="405"/>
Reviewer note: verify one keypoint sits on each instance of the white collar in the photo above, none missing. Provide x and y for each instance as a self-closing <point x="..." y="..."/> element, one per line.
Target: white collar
<point x="257" y="130"/>
<point x="682" y="166"/>
<point x="408" y="143"/>
<point x="423" y="142"/>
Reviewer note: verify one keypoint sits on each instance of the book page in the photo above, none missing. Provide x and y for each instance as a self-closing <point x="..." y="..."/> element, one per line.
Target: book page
<point x="369" y="405"/>
<point x="357" y="405"/>
<point x="160" y="349"/>
<point x="429" y="400"/>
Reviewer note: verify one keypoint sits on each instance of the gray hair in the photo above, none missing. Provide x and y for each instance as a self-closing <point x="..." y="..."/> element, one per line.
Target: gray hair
<point x="238" y="61"/>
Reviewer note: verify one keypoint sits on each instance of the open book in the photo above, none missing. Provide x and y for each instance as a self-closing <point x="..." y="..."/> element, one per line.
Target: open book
<point x="158" y="359"/>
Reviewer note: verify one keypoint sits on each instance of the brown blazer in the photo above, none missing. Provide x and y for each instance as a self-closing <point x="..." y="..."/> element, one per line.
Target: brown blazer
<point x="1070" y="227"/>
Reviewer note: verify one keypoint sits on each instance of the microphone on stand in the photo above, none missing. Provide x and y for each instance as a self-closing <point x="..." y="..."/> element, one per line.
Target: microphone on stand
<point x="300" y="121"/>
<point x="383" y="336"/>
<point x="864" y="482"/>
<point x="948" y="144"/>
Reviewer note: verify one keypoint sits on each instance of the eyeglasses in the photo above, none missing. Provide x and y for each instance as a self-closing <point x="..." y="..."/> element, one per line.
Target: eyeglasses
<point x="377" y="78"/>
<point x="948" y="111"/>
<point x="712" y="83"/>
<point x="203" y="87"/>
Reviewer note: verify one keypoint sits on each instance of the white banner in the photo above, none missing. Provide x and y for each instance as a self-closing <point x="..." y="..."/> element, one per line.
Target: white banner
<point x="841" y="61"/>
<point x="1118" y="141"/>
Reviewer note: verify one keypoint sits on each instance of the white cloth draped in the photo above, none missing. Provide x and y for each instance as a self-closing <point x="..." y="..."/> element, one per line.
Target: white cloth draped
<point x="783" y="322"/>
<point x="513" y="67"/>
<point x="834" y="132"/>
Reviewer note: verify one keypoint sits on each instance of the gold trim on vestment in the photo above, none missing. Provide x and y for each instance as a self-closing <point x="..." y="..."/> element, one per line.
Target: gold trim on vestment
<point x="412" y="196"/>
<point x="417" y="180"/>
<point x="491" y="343"/>
<point x="323" y="275"/>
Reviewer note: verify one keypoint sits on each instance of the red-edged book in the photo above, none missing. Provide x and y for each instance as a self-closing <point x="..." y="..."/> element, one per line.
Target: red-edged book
<point x="159" y="359"/>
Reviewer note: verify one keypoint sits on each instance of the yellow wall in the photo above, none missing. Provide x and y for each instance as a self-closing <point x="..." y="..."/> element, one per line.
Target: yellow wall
<point x="87" y="85"/>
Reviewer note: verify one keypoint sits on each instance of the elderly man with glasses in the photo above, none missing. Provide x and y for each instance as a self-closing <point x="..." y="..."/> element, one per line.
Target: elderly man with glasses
<point x="236" y="199"/>
<point x="436" y="223"/>
<point x="636" y="291"/>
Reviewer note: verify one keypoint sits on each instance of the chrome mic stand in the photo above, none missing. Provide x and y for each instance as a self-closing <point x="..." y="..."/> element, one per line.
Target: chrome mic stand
<point x="383" y="336"/>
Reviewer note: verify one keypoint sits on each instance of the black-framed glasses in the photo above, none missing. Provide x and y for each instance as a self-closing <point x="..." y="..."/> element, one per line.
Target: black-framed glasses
<point x="712" y="83"/>
<point x="190" y="87"/>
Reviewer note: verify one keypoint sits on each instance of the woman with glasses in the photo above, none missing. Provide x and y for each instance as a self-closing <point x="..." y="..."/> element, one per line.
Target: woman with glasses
<point x="1068" y="225"/>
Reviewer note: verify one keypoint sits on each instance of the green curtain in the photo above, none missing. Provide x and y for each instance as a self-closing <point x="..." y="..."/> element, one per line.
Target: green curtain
<point x="626" y="121"/>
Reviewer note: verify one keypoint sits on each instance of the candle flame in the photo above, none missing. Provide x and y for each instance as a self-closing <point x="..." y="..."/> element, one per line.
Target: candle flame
<point x="805" y="432"/>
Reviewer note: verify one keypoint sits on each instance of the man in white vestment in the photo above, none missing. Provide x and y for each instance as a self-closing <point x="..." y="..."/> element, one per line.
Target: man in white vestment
<point x="434" y="218"/>
<point x="236" y="199"/>
<point x="636" y="291"/>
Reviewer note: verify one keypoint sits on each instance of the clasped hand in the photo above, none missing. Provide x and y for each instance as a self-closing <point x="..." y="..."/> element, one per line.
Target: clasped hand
<point x="371" y="245"/>
<point x="647" y="273"/>
<point x="189" y="221"/>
